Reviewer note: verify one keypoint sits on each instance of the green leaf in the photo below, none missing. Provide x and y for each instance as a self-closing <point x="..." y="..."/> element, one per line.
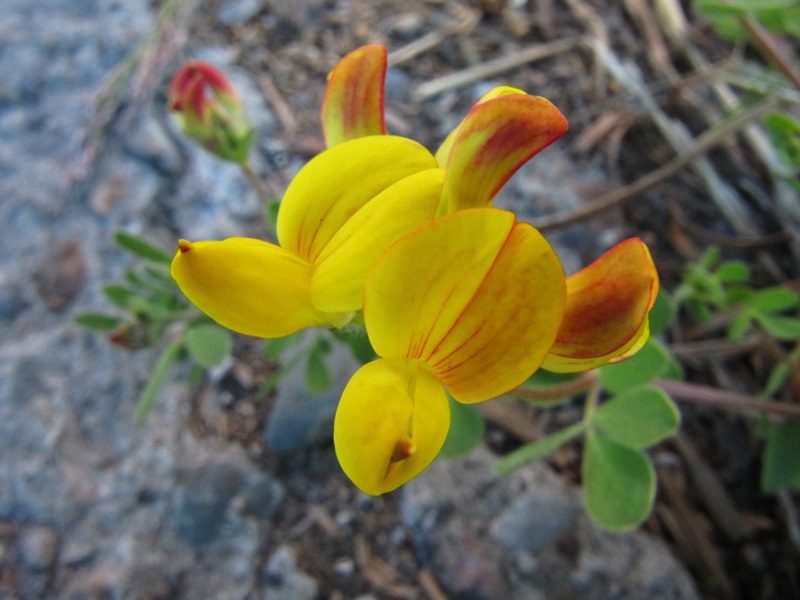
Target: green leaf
<point x="98" y="321"/>
<point x="157" y="379"/>
<point x="619" y="483"/>
<point x="733" y="272"/>
<point x="318" y="375"/>
<point x="710" y="258"/>
<point x="662" y="313"/>
<point x="272" y="210"/>
<point x="781" y="467"/>
<point x="208" y="344"/>
<point x="740" y="325"/>
<point x="274" y="348"/>
<point x="639" y="417"/>
<point x="357" y="340"/>
<point x="651" y="362"/>
<point x="120" y="295"/>
<point x="538" y="449"/>
<point x="142" y="248"/>
<point x="699" y="310"/>
<point x="777" y="379"/>
<point x="466" y="430"/>
<point x="780" y="327"/>
<point x="546" y="383"/>
<point x="775" y="299"/>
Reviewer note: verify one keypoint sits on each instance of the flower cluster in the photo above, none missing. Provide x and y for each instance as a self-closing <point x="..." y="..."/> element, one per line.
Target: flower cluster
<point x="457" y="297"/>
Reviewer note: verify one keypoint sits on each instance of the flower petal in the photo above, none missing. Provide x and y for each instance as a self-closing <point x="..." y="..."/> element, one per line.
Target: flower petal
<point x="495" y="139"/>
<point x="390" y="424"/>
<point x="504" y="334"/>
<point x="249" y="286"/>
<point x="472" y="294"/>
<point x="353" y="102"/>
<point x="420" y="286"/>
<point x="333" y="186"/>
<point x="607" y="306"/>
<point x="340" y="270"/>
<point x="443" y="153"/>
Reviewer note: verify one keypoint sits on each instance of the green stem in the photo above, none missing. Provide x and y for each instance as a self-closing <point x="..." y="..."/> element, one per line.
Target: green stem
<point x="157" y="379"/>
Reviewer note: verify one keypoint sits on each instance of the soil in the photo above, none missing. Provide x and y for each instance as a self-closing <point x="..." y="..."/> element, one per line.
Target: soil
<point x="743" y="544"/>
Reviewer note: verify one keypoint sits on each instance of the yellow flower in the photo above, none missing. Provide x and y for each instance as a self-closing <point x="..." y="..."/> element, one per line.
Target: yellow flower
<point x="502" y="131"/>
<point x="338" y="214"/>
<point x="473" y="303"/>
<point x="470" y="302"/>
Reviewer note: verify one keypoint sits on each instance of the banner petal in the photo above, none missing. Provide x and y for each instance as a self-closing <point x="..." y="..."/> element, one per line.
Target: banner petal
<point x="607" y="307"/>
<point x="496" y="138"/>
<point x="353" y="102"/>
<point x="443" y="153"/>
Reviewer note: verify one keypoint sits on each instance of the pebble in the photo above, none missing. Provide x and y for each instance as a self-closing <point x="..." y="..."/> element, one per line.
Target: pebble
<point x="284" y="581"/>
<point x="238" y="12"/>
<point x="540" y="543"/>
<point x="38" y="547"/>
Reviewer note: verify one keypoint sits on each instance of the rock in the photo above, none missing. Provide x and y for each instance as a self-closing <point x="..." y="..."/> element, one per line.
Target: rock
<point x="62" y="274"/>
<point x="238" y="12"/>
<point x="284" y="581"/>
<point x="540" y="543"/>
<point x="38" y="547"/>
<point x="299" y="417"/>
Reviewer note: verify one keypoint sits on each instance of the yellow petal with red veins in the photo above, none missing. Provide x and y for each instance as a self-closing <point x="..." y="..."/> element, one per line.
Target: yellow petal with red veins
<point x="443" y="153"/>
<point x="495" y="139"/>
<point x="390" y="424"/>
<point x="607" y="306"/>
<point x="509" y="325"/>
<point x="249" y="286"/>
<point x="334" y="185"/>
<point x="341" y="269"/>
<point x="420" y="286"/>
<point x="353" y="102"/>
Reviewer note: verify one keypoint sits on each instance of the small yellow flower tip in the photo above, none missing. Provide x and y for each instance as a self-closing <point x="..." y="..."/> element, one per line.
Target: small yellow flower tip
<point x="403" y="449"/>
<point x="184" y="246"/>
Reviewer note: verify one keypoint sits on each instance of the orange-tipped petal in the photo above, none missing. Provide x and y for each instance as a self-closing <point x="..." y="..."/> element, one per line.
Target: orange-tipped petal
<point x="333" y="186"/>
<point x="495" y="139"/>
<point x="390" y="424"/>
<point x="249" y="286"/>
<point x="607" y="306"/>
<point x="443" y="153"/>
<point x="476" y="296"/>
<point x="353" y="102"/>
<point x="341" y="269"/>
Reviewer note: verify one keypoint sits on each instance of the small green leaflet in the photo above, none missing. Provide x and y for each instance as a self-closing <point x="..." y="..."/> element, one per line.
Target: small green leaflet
<point x="208" y="344"/>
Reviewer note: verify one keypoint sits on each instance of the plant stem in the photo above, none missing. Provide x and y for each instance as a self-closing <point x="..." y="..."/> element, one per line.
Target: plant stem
<point x="703" y="144"/>
<point x="570" y="388"/>
<point x="701" y="394"/>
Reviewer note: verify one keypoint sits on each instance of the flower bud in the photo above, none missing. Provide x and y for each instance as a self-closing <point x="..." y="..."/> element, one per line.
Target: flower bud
<point x="207" y="109"/>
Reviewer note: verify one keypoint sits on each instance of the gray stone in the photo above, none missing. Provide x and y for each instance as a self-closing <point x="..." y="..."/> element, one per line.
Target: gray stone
<point x="38" y="547"/>
<point x="299" y="417"/>
<point x="238" y="12"/>
<point x="540" y="544"/>
<point x="284" y="581"/>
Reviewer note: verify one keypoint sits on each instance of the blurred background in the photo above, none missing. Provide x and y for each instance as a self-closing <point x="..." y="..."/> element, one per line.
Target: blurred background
<point x="227" y="492"/>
